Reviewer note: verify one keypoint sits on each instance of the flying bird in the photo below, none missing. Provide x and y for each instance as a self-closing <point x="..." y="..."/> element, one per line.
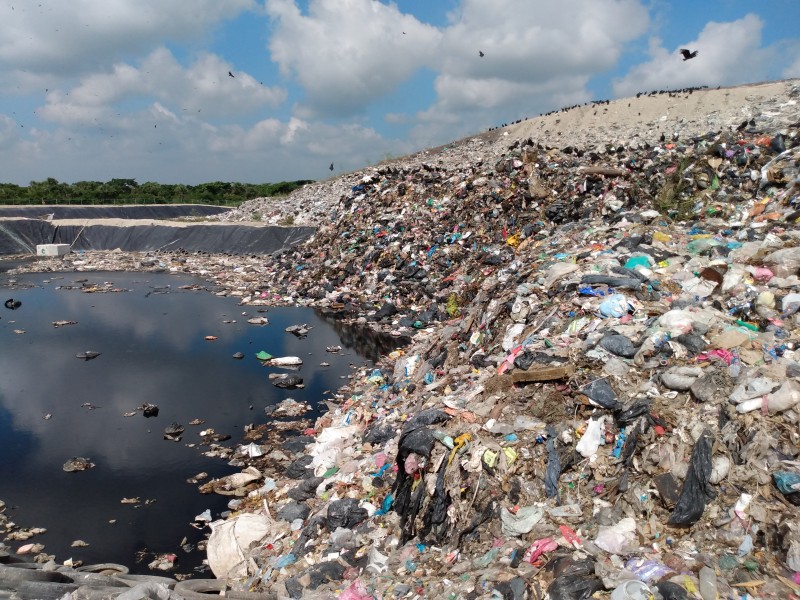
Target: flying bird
<point x="480" y="53"/>
<point x="687" y="54"/>
<point x="331" y="167"/>
<point x="230" y="74"/>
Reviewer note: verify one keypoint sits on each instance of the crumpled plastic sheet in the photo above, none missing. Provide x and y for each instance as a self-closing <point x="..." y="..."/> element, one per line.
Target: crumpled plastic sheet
<point x="696" y="488"/>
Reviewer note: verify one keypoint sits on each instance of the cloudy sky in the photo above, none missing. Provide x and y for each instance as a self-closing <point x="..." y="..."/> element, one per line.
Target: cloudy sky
<point x="180" y="91"/>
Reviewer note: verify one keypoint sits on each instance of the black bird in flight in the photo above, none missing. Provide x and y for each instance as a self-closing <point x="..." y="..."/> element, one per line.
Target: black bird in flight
<point x="331" y="167"/>
<point x="480" y="53"/>
<point x="230" y="74"/>
<point x="686" y="54"/>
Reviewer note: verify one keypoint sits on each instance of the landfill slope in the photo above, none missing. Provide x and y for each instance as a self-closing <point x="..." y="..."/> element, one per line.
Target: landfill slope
<point x="601" y="382"/>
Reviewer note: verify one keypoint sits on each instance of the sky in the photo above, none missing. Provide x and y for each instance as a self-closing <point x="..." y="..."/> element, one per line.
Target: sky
<point x="177" y="91"/>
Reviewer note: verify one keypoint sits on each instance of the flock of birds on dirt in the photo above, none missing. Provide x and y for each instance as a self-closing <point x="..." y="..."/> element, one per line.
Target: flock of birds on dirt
<point x="685" y="52"/>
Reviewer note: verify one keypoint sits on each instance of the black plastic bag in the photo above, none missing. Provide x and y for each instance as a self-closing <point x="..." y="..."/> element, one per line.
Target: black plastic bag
<point x="692" y="342"/>
<point x="671" y="591"/>
<point x="419" y="441"/>
<point x="615" y="281"/>
<point x="426" y="417"/>
<point x="553" y="465"/>
<point x="566" y="566"/>
<point x="307" y="489"/>
<point x="437" y="511"/>
<point x="345" y="513"/>
<point x="379" y="434"/>
<point x="574" y="588"/>
<point x="696" y="488"/>
<point x="633" y="412"/>
<point x="314" y="577"/>
<point x="299" y="468"/>
<point x="515" y="589"/>
<point x="293" y="510"/>
<point x="600" y="392"/>
<point x="618" y="345"/>
<point x="524" y="360"/>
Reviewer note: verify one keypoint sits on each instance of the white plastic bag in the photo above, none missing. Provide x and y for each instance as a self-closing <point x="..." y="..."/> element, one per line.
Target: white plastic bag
<point x="230" y="542"/>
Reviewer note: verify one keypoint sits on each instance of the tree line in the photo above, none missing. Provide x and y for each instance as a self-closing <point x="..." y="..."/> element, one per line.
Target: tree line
<point x="128" y="191"/>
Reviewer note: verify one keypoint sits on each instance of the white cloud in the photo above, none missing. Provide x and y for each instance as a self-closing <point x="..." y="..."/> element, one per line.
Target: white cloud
<point x="8" y="131"/>
<point x="80" y="36"/>
<point x="160" y="144"/>
<point x="793" y="70"/>
<point x="204" y="86"/>
<point x="537" y="55"/>
<point x="718" y="62"/>
<point x="347" y="53"/>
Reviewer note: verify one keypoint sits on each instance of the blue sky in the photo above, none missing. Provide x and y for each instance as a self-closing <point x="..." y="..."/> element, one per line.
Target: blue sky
<point x="95" y="89"/>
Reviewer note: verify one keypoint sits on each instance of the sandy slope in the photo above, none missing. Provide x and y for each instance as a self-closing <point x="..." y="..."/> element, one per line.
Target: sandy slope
<point x="771" y="105"/>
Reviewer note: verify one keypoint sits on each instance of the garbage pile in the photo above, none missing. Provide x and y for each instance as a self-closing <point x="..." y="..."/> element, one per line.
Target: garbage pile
<point x="600" y="394"/>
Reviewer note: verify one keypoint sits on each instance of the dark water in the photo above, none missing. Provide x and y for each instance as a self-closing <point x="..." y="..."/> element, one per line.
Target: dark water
<point x="151" y="337"/>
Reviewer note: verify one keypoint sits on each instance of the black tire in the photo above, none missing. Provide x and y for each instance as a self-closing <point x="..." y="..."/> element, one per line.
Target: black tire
<point x="86" y="592"/>
<point x="203" y="589"/>
<point x="251" y="595"/>
<point x="44" y="590"/>
<point x="105" y="569"/>
<point x="194" y="589"/>
<point x="134" y="580"/>
<point x="16" y="573"/>
<point x="96" y="580"/>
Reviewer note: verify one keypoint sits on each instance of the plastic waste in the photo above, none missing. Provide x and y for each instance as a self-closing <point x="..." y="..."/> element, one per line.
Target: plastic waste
<point x="632" y="590"/>
<point x="330" y="443"/>
<point x="696" y="488"/>
<point x="521" y="522"/>
<point x="356" y="591"/>
<point x="345" y="513"/>
<point x="619" y="538"/>
<point x="618" y="345"/>
<point x="600" y="393"/>
<point x="377" y="563"/>
<point x="553" y="470"/>
<point x="708" y="583"/>
<point x="670" y="590"/>
<point x="574" y="588"/>
<point x="615" y="306"/>
<point x="785" y="397"/>
<point x="788" y="483"/>
<point x="230" y="541"/>
<point x="648" y="571"/>
<point x="681" y="378"/>
<point x="592" y="438"/>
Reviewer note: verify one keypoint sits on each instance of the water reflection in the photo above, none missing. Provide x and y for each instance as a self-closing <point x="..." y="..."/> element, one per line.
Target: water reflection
<point x="151" y="334"/>
<point x="365" y="341"/>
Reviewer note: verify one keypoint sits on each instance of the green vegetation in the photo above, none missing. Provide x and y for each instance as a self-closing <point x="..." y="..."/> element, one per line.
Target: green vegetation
<point x="128" y="191"/>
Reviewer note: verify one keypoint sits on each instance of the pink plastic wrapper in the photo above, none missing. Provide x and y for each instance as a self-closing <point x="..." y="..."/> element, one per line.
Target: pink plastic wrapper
<point x="357" y="591"/>
<point x="762" y="274"/>
<point x="538" y="548"/>
<point x="411" y="465"/>
<point x="380" y="459"/>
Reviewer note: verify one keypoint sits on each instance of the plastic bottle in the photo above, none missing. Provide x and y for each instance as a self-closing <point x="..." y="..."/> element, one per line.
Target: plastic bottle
<point x="708" y="583"/>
